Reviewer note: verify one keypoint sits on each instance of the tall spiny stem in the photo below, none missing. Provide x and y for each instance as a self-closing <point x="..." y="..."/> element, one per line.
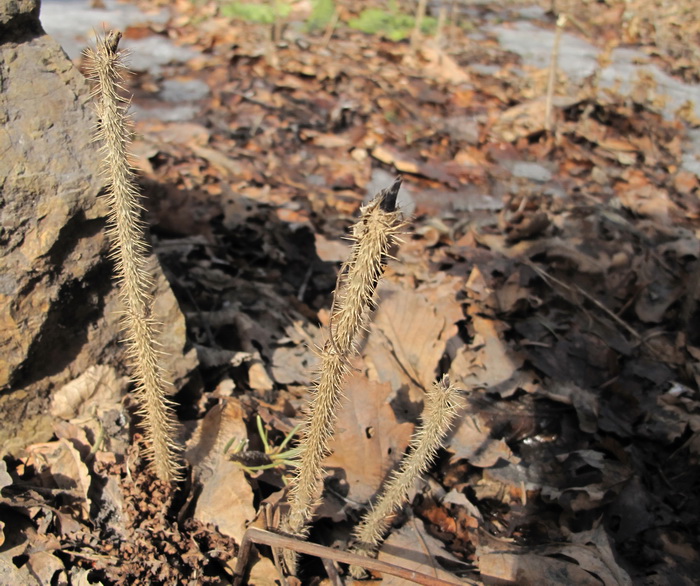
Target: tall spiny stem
<point x="130" y="252"/>
<point x="373" y="237"/>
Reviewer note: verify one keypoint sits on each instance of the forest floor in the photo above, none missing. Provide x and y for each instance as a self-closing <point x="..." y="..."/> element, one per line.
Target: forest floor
<point x="551" y="267"/>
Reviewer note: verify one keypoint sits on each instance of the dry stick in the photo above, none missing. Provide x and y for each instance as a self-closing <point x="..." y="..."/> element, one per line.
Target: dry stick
<point x="330" y="28"/>
<point x="374" y="235"/>
<point x="453" y="21"/>
<point x="129" y="250"/>
<point x="420" y="16"/>
<point x="553" y="66"/>
<point x="440" y="32"/>
<point x="643" y="340"/>
<point x="441" y="404"/>
<point x="277" y="541"/>
<point x="547" y="277"/>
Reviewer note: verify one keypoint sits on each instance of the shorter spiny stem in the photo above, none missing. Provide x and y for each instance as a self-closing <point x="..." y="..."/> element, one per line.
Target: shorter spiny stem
<point x="441" y="404"/>
<point x="130" y="250"/>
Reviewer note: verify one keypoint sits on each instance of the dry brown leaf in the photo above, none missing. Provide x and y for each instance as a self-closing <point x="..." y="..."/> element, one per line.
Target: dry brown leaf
<point x="512" y="295"/>
<point x="415" y="328"/>
<point x="594" y="553"/>
<point x="332" y="250"/>
<point x="405" y="163"/>
<point x="584" y="401"/>
<point x="529" y="569"/>
<point x="325" y="140"/>
<point x="258" y="379"/>
<point x="471" y="441"/>
<point x="47" y="568"/>
<point x="293" y="359"/>
<point x="11" y="574"/>
<point x="188" y="133"/>
<point x="586" y="478"/>
<point x="657" y="297"/>
<point x="526" y="119"/>
<point x="591" y="550"/>
<point x="5" y="478"/>
<point x="228" y="166"/>
<point x="488" y="362"/>
<point x="609" y="144"/>
<point x="479" y="290"/>
<point x="413" y="548"/>
<point x="369" y="441"/>
<point x="59" y="465"/>
<point x="81" y="577"/>
<point x="263" y="573"/>
<point x="437" y="64"/>
<point x="226" y="498"/>
<point x="640" y="195"/>
<point x="97" y="388"/>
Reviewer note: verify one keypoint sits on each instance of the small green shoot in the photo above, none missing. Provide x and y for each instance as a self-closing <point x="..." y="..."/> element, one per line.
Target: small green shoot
<point x="260" y="13"/>
<point x="392" y="24"/>
<point x="321" y="14"/>
<point x="272" y="456"/>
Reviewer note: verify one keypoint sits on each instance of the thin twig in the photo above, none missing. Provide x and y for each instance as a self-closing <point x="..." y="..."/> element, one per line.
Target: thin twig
<point x="418" y="24"/>
<point x="553" y="66"/>
<point x="547" y="277"/>
<point x="330" y="28"/>
<point x="277" y="541"/>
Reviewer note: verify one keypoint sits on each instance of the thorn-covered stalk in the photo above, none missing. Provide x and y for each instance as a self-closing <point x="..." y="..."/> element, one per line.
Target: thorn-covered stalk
<point x="130" y="252"/>
<point x="373" y="235"/>
<point x="441" y="404"/>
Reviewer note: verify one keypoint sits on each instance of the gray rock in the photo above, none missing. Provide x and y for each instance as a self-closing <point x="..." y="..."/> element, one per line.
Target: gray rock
<point x="175" y="90"/>
<point x="17" y="10"/>
<point x="72" y="22"/>
<point x="531" y="171"/>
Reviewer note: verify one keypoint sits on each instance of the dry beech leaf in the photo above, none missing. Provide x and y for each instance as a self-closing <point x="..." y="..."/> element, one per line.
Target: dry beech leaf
<point x="406" y="163"/>
<point x="263" y="573"/>
<point x="47" y="567"/>
<point x="226" y="498"/>
<point x="59" y="465"/>
<point x="369" y="442"/>
<point x="412" y="548"/>
<point x="581" y="480"/>
<point x="441" y="66"/>
<point x="471" y="441"/>
<point x="5" y="478"/>
<point x="513" y="295"/>
<point x="585" y="401"/>
<point x="593" y="552"/>
<point x="98" y="386"/>
<point x="488" y="362"/>
<point x="526" y="119"/>
<point x="416" y="329"/>
<point x="294" y="360"/>
<point x="11" y="574"/>
<point x="529" y="569"/>
<point x="82" y="578"/>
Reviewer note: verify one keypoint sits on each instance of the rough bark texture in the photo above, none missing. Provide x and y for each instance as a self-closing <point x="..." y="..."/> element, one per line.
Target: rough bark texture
<point x="58" y="304"/>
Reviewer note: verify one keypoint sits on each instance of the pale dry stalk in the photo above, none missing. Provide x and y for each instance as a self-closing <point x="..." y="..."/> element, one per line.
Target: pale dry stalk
<point x="441" y="404"/>
<point x="373" y="236"/>
<point x="130" y="252"/>
<point x="416" y="34"/>
<point x="552" y="77"/>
